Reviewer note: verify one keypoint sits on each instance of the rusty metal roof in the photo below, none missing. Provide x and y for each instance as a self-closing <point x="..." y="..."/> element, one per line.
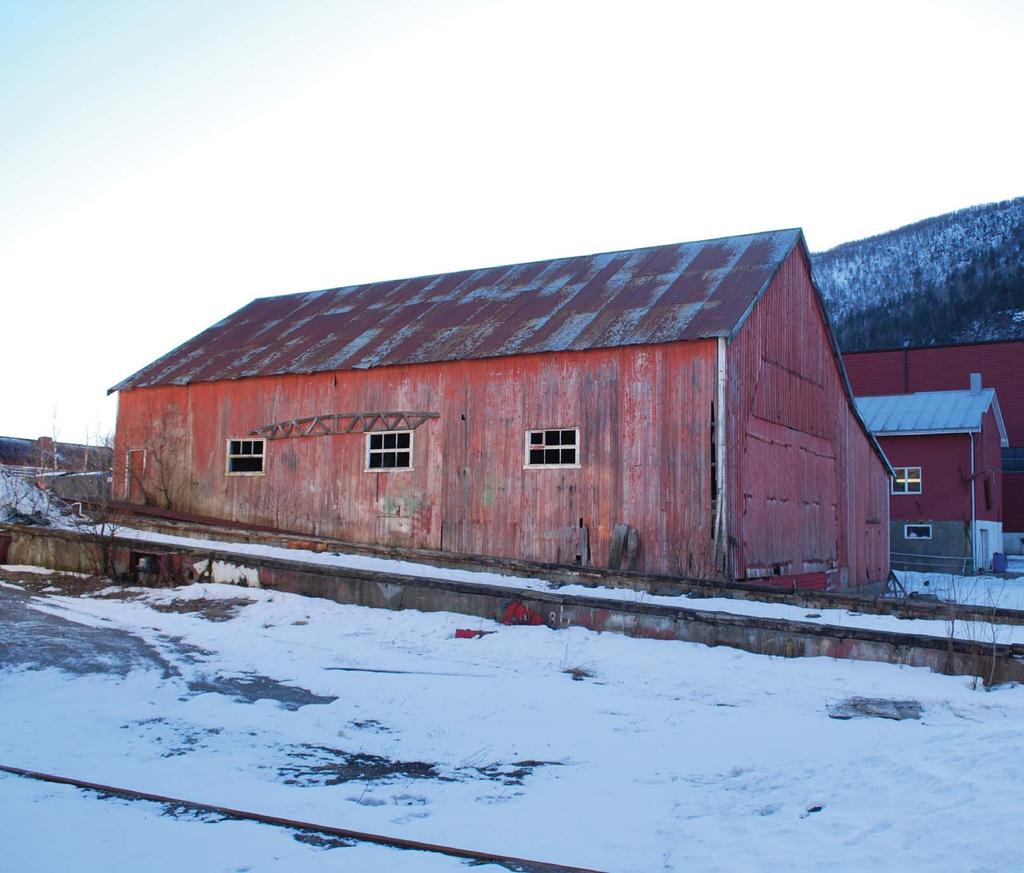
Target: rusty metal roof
<point x="684" y="291"/>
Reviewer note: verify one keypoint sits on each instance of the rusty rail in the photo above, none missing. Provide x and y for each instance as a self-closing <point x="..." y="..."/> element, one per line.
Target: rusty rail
<point x="508" y="861"/>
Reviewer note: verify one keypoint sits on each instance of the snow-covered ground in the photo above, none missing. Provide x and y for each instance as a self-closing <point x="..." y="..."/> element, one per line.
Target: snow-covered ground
<point x="1003" y="592"/>
<point x="21" y="498"/>
<point x="656" y="756"/>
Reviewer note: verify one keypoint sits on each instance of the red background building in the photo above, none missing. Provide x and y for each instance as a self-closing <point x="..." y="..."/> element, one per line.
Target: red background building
<point x="946" y="368"/>
<point x="944" y="446"/>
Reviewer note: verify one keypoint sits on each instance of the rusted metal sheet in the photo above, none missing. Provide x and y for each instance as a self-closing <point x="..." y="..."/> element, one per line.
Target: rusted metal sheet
<point x="808" y="491"/>
<point x="676" y="292"/>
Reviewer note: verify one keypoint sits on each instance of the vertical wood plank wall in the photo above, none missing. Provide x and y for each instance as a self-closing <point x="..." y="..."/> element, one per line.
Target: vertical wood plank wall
<point x="807" y="492"/>
<point x="643" y="414"/>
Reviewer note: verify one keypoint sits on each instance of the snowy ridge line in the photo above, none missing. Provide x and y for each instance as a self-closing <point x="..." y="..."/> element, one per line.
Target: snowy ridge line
<point x="508" y="861"/>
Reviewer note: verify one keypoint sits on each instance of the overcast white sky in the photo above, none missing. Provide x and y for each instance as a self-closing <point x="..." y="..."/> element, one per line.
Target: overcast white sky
<point x="161" y="164"/>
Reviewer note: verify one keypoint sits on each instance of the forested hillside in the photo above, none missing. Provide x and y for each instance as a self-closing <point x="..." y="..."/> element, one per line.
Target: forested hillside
<point x="957" y="277"/>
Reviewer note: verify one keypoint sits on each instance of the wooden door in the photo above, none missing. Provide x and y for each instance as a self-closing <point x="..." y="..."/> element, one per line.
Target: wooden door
<point x="134" y="471"/>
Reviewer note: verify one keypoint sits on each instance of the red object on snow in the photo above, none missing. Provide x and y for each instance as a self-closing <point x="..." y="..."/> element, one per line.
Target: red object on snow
<point x="516" y="613"/>
<point x="464" y="633"/>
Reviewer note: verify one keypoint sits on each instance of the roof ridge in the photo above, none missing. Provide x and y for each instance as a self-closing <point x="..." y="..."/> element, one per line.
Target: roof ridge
<point x="508" y="266"/>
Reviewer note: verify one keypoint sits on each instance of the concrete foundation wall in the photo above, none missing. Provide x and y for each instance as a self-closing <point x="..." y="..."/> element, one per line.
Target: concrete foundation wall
<point x="781" y="637"/>
<point x="948" y="550"/>
<point x="1013" y="542"/>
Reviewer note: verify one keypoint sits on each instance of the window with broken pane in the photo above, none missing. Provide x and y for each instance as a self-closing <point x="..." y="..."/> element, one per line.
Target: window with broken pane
<point x="246" y="456"/>
<point x="553" y="448"/>
<point x="389" y="450"/>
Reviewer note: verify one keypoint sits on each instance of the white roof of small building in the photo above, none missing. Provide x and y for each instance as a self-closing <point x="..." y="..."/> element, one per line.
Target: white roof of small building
<point x="930" y="412"/>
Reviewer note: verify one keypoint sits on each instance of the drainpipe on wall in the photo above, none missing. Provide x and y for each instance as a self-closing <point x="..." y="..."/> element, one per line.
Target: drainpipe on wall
<point x="722" y="554"/>
<point x="974" y="521"/>
<point x="975" y="388"/>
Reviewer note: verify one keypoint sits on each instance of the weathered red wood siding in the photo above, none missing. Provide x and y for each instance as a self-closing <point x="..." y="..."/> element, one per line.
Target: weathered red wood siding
<point x="643" y="414"/>
<point x="807" y="492"/>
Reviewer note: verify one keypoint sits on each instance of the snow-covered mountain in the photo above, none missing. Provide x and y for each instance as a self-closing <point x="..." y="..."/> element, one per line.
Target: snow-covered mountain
<point x="957" y="277"/>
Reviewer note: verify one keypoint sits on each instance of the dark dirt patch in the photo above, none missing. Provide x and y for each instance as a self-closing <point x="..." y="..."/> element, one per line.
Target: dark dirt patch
<point x="321" y="765"/>
<point x="210" y="609"/>
<point x="176" y="737"/>
<point x="34" y="640"/>
<point x="251" y="687"/>
<point x="322" y="841"/>
<point x="188" y="653"/>
<point x="191" y="813"/>
<point x="875" y="707"/>
<point x="512" y="774"/>
<point x="578" y="673"/>
<point x="370" y="724"/>
<point x="65" y="583"/>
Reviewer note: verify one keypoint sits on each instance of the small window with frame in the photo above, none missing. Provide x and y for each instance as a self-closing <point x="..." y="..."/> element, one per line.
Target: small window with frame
<point x="246" y="457"/>
<point x="907" y="480"/>
<point x="917" y="531"/>
<point x="558" y="447"/>
<point x="388" y="450"/>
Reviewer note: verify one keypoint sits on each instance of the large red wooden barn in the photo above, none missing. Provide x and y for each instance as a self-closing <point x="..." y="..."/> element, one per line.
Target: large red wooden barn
<point x="693" y="392"/>
<point x="948" y="368"/>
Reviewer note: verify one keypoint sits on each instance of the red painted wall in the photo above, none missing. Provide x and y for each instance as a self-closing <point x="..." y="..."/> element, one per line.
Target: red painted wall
<point x="645" y="447"/>
<point x="808" y="491"/>
<point x="945" y="462"/>
<point x="946" y="368"/>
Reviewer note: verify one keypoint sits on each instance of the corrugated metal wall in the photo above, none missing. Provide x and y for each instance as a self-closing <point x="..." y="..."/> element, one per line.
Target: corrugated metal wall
<point x="808" y="491"/>
<point x="942" y="368"/>
<point x="643" y="413"/>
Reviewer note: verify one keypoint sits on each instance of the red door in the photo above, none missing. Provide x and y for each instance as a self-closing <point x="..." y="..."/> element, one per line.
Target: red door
<point x="134" y="470"/>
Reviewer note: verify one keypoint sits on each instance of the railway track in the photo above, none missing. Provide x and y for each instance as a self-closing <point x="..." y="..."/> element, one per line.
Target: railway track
<point x="509" y="862"/>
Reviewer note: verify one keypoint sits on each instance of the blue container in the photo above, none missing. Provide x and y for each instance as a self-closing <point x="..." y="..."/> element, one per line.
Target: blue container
<point x="998" y="562"/>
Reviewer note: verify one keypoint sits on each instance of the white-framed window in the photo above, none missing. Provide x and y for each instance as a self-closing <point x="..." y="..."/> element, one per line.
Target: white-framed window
<point x="388" y="450"/>
<point x="917" y="531"/>
<point x="246" y="457"/>
<point x="907" y="480"/>
<point x="556" y="447"/>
